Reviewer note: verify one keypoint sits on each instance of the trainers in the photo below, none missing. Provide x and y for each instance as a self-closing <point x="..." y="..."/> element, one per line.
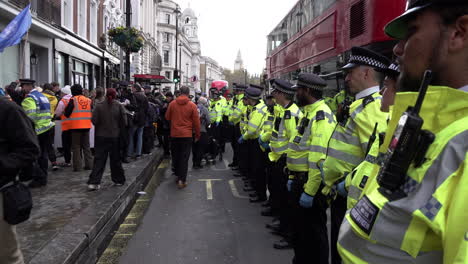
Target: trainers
<point x="181" y="185"/>
<point x="55" y="166"/>
<point x="66" y="165"/>
<point x="94" y="187"/>
<point x="118" y="184"/>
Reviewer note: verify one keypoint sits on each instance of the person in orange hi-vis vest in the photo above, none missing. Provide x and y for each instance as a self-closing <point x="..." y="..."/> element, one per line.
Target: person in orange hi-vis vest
<point x="65" y="94"/>
<point x="78" y="113"/>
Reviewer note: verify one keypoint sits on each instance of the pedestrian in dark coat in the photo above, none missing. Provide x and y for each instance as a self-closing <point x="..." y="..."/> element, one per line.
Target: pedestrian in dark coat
<point x="108" y="119"/>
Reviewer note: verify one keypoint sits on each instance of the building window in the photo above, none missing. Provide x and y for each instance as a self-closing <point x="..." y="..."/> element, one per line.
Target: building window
<point x="167" y="74"/>
<point x="167" y="37"/>
<point x="166" y="57"/>
<point x="67" y="17"/>
<point x="168" y="19"/>
<point x="61" y="62"/>
<point x="82" y="18"/>
<point x="93" y="23"/>
<point x="80" y="74"/>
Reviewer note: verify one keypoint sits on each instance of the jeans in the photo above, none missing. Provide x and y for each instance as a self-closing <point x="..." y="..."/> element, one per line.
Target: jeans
<point x="180" y="148"/>
<point x="132" y="149"/>
<point x="105" y="147"/>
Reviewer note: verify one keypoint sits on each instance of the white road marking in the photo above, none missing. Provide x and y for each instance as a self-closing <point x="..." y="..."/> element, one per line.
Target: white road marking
<point x="226" y="163"/>
<point x="209" y="187"/>
<point x="234" y="190"/>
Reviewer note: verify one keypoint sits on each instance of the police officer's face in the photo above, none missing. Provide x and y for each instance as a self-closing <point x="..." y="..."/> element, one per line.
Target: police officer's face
<point x="424" y="47"/>
<point x="357" y="77"/>
<point x="301" y="96"/>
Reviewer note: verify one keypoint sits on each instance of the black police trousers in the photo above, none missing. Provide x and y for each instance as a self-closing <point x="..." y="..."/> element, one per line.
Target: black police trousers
<point x="279" y="193"/>
<point x="310" y="236"/>
<point x="235" y="146"/>
<point x="257" y="164"/>
<point x="337" y="213"/>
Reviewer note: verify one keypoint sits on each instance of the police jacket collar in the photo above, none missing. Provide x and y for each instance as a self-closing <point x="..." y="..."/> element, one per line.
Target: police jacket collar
<point x="367" y="92"/>
<point x="464" y="88"/>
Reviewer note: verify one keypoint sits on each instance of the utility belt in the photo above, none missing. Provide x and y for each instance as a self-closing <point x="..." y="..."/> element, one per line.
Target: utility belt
<point x="301" y="176"/>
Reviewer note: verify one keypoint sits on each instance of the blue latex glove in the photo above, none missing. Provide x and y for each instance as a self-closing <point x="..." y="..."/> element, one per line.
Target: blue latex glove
<point x="264" y="145"/>
<point x="306" y="200"/>
<point x="240" y="140"/>
<point x="217" y="124"/>
<point x="341" y="188"/>
<point x="231" y="123"/>
<point x="289" y="185"/>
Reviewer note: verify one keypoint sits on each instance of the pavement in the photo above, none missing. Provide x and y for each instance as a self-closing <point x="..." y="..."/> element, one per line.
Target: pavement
<point x="68" y="224"/>
<point x="210" y="221"/>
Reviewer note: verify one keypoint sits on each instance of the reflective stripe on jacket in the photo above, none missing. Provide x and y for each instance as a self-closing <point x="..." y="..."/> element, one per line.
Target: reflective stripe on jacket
<point x="81" y="115"/>
<point x="65" y="122"/>
<point x="255" y="121"/>
<point x="284" y="127"/>
<point x="429" y="224"/>
<point x="37" y="107"/>
<point x="348" y="144"/>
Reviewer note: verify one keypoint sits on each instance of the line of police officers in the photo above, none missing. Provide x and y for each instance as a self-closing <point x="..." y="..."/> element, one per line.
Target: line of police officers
<point x="311" y="158"/>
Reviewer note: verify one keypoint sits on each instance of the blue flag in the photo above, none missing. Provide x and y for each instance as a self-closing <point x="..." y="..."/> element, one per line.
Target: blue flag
<point x="14" y="32"/>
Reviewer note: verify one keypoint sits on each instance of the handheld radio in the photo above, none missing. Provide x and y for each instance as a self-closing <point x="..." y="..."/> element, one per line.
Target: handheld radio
<point x="404" y="147"/>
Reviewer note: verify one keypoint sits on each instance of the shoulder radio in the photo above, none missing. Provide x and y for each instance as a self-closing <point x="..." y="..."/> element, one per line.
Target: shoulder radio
<point x="409" y="144"/>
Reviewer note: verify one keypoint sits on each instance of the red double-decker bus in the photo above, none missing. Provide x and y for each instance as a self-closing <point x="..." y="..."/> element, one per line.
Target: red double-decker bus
<point x="317" y="35"/>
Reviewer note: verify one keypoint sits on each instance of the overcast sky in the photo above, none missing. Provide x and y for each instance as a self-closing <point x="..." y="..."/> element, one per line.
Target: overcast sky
<point x="226" y="26"/>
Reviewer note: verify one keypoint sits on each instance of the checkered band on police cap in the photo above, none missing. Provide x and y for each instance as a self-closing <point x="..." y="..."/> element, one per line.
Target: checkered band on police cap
<point x="366" y="57"/>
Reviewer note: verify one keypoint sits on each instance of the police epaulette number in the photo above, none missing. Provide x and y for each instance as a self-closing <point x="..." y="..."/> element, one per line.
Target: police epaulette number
<point x="320" y="116"/>
<point x="367" y="100"/>
<point x="287" y="114"/>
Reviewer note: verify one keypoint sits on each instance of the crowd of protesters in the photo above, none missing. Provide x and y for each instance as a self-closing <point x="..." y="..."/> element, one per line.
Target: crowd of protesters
<point x="85" y="128"/>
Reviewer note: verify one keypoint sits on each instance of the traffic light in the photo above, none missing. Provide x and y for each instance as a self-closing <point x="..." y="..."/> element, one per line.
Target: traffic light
<point x="176" y="76"/>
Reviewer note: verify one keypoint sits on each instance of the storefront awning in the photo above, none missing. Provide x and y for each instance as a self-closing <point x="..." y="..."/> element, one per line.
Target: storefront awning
<point x="150" y="78"/>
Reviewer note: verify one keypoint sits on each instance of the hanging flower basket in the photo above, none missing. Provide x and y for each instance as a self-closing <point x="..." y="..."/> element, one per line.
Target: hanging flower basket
<point x="126" y="38"/>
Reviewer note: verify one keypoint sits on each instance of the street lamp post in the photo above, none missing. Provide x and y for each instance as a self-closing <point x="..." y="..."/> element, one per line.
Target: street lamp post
<point x="128" y="18"/>
<point x="176" y="12"/>
<point x="186" y="74"/>
<point x="180" y="61"/>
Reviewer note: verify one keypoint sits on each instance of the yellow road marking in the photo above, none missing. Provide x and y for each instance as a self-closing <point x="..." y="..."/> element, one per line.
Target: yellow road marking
<point x="234" y="190"/>
<point x="209" y="187"/>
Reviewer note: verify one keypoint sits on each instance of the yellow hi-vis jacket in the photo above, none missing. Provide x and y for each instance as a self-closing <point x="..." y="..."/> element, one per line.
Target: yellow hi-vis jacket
<point x="356" y="180"/>
<point x="267" y="126"/>
<point x="348" y="144"/>
<point x="312" y="134"/>
<point x="245" y="118"/>
<point x="238" y="108"/>
<point x="217" y="109"/>
<point x="257" y="117"/>
<point x="285" y="123"/>
<point x="429" y="225"/>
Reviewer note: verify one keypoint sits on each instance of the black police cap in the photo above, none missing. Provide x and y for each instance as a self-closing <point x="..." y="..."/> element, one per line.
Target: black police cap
<point x="240" y="87"/>
<point x="398" y="27"/>
<point x="27" y="81"/>
<point x="253" y="92"/>
<point x="256" y="86"/>
<point x="283" y="86"/>
<point x="310" y="81"/>
<point x="366" y="57"/>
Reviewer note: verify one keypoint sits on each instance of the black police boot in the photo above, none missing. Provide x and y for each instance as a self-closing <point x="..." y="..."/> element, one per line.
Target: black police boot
<point x="252" y="195"/>
<point x="282" y="244"/>
<point x="257" y="199"/>
<point x="248" y="189"/>
<point x="268" y="212"/>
